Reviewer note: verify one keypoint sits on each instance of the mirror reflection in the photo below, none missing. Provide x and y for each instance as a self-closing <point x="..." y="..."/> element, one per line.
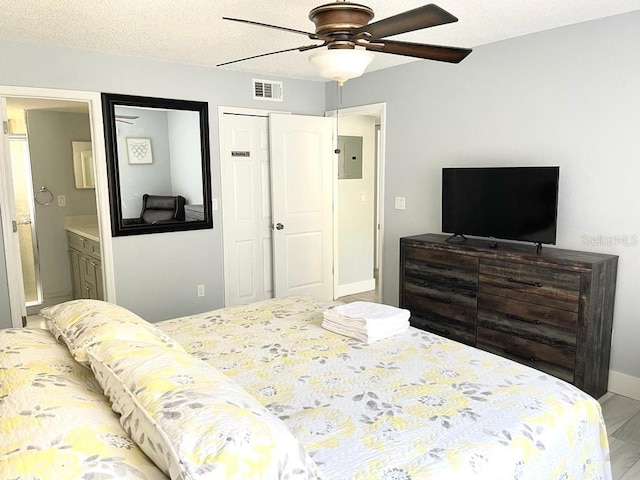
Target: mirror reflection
<point x="159" y="164"/>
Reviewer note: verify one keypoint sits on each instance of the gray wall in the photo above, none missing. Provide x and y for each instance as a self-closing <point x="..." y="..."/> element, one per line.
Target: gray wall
<point x="156" y="275"/>
<point x="567" y="97"/>
<point x="186" y="157"/>
<point x="356" y="215"/>
<point x="50" y="135"/>
<point x="154" y="178"/>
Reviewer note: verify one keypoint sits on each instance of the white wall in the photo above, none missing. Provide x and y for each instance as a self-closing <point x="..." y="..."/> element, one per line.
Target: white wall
<point x="156" y="275"/>
<point x="567" y="97"/>
<point x="355" y="215"/>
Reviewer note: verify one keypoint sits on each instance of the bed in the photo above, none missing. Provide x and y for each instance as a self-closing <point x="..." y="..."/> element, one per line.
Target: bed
<point x="412" y="406"/>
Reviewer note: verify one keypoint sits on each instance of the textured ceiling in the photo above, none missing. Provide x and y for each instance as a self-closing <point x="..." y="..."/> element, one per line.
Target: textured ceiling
<point x="193" y="32"/>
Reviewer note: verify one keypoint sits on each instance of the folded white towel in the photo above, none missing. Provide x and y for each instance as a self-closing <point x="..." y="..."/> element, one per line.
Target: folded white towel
<point x="365" y="321"/>
<point x="370" y="312"/>
<point x="363" y="335"/>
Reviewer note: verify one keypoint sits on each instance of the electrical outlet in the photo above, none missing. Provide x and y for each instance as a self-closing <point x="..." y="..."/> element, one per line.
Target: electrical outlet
<point x="399" y="203"/>
<point x="201" y="290"/>
<point x="214" y="204"/>
<point x="62" y="201"/>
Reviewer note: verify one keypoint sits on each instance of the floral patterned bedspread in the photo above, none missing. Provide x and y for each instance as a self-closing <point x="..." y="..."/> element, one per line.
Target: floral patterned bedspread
<point x="410" y="407"/>
<point x="55" y="422"/>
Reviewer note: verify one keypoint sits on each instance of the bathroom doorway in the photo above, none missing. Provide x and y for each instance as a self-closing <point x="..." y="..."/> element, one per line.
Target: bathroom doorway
<point x="41" y="194"/>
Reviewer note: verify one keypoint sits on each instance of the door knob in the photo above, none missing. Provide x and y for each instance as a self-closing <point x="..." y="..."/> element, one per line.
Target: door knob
<point x="279" y="226"/>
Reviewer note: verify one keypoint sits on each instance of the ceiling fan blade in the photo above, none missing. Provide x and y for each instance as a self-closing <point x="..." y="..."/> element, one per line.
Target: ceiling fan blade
<point x="300" y="49"/>
<point x="422" y="17"/>
<point x="419" y="50"/>
<point x="312" y="36"/>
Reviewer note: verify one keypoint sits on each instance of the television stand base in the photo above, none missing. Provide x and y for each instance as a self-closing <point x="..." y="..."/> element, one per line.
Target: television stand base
<point x="461" y="238"/>
<point x="538" y="247"/>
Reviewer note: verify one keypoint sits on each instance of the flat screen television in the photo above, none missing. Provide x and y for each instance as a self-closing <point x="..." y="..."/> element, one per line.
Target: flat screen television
<point x="511" y="203"/>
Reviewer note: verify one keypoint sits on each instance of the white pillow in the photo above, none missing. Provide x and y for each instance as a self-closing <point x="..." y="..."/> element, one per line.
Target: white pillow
<point x="193" y="421"/>
<point x="83" y="323"/>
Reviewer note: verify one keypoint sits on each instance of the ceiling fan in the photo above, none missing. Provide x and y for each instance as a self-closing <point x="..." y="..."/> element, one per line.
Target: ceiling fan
<point x="344" y="27"/>
<point x="125" y="118"/>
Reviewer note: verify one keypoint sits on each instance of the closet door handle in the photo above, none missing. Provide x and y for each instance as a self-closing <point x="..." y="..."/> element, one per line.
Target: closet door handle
<point x="279" y="226"/>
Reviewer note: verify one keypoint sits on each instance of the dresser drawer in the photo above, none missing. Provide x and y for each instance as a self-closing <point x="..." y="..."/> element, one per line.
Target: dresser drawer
<point x="92" y="248"/>
<point x="76" y="241"/>
<point x="448" y="270"/>
<point x="536" y="322"/>
<point x="556" y="361"/>
<point x="83" y="244"/>
<point x="554" y="287"/>
<point x="445" y="327"/>
<point x="452" y="317"/>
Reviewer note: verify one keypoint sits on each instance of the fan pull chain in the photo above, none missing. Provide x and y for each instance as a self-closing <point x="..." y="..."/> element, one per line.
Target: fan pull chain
<point x="339" y="95"/>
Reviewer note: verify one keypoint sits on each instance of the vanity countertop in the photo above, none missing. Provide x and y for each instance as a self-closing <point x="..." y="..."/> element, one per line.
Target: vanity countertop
<point x="88" y="231"/>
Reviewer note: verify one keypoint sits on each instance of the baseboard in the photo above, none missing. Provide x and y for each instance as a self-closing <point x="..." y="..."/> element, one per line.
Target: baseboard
<point x="624" y="385"/>
<point x="357" y="287"/>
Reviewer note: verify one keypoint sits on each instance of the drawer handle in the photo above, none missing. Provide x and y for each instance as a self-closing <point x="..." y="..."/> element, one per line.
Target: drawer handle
<point x="443" y="300"/>
<point x="523" y="282"/>
<point x="440" y="267"/>
<point x="525" y="320"/>
<point x="514" y="354"/>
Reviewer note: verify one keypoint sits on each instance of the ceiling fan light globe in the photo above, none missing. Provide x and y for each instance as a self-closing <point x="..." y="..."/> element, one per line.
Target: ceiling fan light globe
<point x="341" y="64"/>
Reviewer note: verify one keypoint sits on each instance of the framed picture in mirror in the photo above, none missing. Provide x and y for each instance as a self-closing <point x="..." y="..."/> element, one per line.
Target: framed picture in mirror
<point x="139" y="151"/>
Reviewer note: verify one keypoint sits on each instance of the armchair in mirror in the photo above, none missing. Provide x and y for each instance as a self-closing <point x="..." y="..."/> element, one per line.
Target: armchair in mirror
<point x="158" y="164"/>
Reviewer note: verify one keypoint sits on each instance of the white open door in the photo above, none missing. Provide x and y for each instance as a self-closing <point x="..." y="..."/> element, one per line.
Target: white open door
<point x="302" y="164"/>
<point x="246" y="200"/>
<point x="9" y="226"/>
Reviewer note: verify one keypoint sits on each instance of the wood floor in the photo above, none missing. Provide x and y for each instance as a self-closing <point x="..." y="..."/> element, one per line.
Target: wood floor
<point x="621" y="416"/>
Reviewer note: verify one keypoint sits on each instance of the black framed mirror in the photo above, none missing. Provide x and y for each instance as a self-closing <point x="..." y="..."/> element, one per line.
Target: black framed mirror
<point x="158" y="164"/>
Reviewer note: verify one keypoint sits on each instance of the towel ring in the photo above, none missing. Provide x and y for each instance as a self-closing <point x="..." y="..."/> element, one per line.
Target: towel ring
<point x="48" y="196"/>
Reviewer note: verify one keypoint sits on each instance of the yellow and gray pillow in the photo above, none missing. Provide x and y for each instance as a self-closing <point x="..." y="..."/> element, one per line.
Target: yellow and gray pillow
<point x="85" y="323"/>
<point x="193" y="421"/>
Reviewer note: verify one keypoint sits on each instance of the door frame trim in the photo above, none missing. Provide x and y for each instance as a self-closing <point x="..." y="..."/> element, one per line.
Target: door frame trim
<point x="102" y="194"/>
<point x="371" y="109"/>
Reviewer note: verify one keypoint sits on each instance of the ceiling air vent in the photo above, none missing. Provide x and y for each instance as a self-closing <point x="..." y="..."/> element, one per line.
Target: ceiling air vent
<point x="267" y="90"/>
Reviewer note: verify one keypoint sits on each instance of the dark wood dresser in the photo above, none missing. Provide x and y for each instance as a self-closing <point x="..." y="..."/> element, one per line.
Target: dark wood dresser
<point x="551" y="310"/>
